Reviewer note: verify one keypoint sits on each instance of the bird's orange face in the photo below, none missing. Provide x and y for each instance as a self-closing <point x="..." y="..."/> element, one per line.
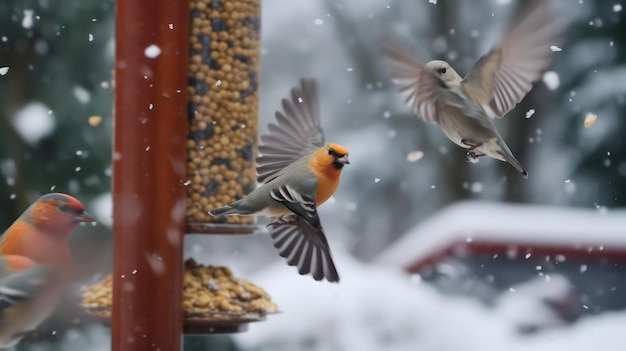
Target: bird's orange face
<point x="327" y="163"/>
<point x="334" y="155"/>
<point x="58" y="213"/>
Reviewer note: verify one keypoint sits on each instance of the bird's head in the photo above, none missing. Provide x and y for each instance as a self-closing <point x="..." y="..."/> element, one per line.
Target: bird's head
<point x="335" y="155"/>
<point x="57" y="213"/>
<point x="444" y="71"/>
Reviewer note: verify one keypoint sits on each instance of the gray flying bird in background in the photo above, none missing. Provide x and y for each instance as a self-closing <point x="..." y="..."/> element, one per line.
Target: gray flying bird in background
<point x="464" y="108"/>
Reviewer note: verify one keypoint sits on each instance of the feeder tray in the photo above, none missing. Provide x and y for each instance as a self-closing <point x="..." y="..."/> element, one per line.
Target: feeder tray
<point x="197" y="323"/>
<point x="214" y="300"/>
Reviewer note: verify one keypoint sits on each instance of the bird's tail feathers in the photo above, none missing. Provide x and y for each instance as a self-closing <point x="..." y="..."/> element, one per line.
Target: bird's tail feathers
<point x="232" y="209"/>
<point x="508" y="157"/>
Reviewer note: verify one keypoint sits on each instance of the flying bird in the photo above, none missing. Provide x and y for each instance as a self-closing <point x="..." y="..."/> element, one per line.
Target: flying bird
<point x="464" y="108"/>
<point x="300" y="172"/>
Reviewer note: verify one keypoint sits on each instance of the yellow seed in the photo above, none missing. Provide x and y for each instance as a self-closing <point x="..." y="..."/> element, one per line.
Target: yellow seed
<point x="95" y="121"/>
<point x="590" y="119"/>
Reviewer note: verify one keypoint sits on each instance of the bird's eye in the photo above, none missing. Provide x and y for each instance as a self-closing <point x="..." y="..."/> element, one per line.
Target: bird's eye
<point x="331" y="152"/>
<point x="65" y="208"/>
<point x="443" y="70"/>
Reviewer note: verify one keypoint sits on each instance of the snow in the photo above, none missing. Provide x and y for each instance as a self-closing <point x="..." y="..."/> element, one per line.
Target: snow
<point x="381" y="308"/>
<point x="152" y="51"/>
<point x="372" y="308"/>
<point x="81" y="94"/>
<point x="102" y="209"/>
<point x="476" y="187"/>
<point x="507" y="223"/>
<point x="34" y="122"/>
<point x="414" y="156"/>
<point x="530" y="113"/>
<point x="4" y="70"/>
<point x="617" y="8"/>
<point x="27" y="20"/>
<point x="551" y="79"/>
<point x="531" y="296"/>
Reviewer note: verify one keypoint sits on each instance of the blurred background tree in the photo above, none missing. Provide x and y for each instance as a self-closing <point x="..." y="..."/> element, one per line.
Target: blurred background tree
<point x="60" y="58"/>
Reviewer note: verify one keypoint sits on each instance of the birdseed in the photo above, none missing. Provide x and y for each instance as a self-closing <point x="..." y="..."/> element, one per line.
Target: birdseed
<point x="223" y="106"/>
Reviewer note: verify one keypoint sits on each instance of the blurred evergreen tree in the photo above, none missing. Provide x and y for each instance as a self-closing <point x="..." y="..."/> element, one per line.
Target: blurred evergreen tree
<point x="597" y="87"/>
<point x="59" y="53"/>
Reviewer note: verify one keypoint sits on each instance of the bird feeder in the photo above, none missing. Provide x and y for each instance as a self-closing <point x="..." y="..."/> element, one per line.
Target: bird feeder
<point x="223" y="111"/>
<point x="186" y="116"/>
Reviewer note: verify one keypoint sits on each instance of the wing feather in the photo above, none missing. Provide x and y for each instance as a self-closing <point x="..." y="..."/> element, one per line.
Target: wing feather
<point x="296" y="133"/>
<point x="308" y="249"/>
<point x="502" y="77"/>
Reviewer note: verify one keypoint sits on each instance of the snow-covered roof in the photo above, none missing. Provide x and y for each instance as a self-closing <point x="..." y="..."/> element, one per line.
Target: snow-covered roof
<point x="496" y="223"/>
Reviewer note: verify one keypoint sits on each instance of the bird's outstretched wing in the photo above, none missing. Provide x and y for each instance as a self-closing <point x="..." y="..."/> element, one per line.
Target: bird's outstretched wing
<point x="423" y="91"/>
<point x="304" y="246"/>
<point x="501" y="78"/>
<point x="300" y="237"/>
<point x="296" y="133"/>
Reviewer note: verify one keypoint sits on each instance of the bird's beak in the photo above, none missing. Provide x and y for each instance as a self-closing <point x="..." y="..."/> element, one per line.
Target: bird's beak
<point x="343" y="160"/>
<point x="84" y="217"/>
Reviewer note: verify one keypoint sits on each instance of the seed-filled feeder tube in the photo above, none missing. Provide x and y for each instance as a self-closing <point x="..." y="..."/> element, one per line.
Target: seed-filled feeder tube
<point x="223" y="93"/>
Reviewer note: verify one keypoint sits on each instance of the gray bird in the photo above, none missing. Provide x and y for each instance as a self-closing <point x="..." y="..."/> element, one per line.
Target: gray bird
<point x="464" y="108"/>
<point x="300" y="173"/>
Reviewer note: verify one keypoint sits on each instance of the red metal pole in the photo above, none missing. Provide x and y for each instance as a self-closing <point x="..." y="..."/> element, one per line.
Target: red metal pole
<point x="149" y="164"/>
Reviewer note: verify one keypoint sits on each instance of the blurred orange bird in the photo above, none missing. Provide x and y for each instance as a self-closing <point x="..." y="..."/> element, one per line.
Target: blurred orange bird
<point x="41" y="232"/>
<point x="34" y="263"/>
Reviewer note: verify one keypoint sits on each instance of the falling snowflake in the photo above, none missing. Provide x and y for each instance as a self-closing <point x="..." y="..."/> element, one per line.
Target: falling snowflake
<point x="152" y="51"/>
<point x="27" y="21"/>
<point x="551" y="79"/>
<point x="414" y="156"/>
